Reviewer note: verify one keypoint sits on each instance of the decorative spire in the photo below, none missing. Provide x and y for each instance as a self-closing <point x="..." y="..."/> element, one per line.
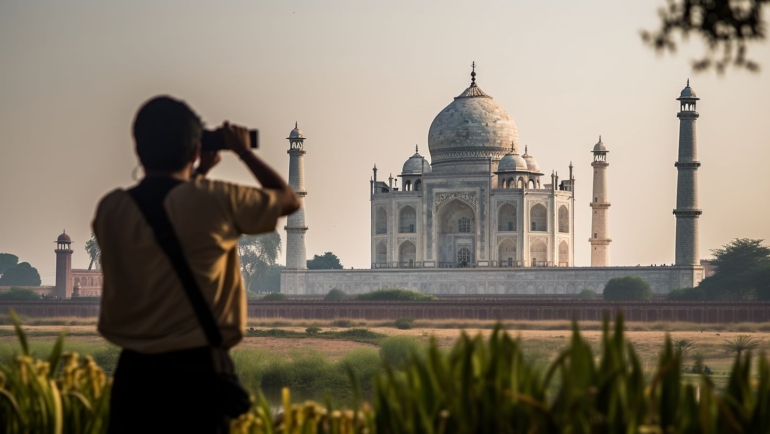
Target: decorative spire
<point x="526" y="151"/>
<point x="473" y="74"/>
<point x="600" y="138"/>
<point x="416" y="149"/>
<point x="688" y="82"/>
<point x="296" y="124"/>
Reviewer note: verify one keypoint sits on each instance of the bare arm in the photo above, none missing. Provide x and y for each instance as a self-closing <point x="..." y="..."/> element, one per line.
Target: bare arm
<point x="237" y="140"/>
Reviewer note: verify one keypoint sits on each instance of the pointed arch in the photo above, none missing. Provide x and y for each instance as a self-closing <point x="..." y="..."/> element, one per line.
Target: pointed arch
<point x="538" y="217"/>
<point x="407" y="254"/>
<point x="381" y="253"/>
<point x="417" y="185"/>
<point x="407" y="220"/>
<point x="506" y="253"/>
<point x="506" y="218"/>
<point x="381" y="221"/>
<point x="538" y="251"/>
<point x="563" y="219"/>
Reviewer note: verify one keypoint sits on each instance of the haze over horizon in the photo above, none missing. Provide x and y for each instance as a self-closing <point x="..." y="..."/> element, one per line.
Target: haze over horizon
<point x="364" y="81"/>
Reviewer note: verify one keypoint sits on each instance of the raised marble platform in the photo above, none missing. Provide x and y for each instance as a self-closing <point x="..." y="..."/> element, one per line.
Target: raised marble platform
<point x="518" y="281"/>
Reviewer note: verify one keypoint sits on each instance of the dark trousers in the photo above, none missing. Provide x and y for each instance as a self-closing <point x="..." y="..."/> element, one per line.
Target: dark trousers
<point x="168" y="392"/>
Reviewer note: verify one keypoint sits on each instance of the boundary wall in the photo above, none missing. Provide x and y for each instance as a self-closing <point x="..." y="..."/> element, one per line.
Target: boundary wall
<point x="465" y="309"/>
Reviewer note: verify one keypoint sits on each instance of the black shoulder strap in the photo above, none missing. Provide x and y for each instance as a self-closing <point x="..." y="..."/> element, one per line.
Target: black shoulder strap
<point x="149" y="197"/>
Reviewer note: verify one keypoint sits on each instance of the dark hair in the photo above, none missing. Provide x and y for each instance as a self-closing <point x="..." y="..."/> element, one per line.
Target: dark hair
<point x="166" y="132"/>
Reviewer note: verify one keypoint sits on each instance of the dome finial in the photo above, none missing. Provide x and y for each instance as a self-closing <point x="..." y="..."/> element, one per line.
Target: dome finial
<point x="473" y="73"/>
<point x="688" y="82"/>
<point x="600" y="138"/>
<point x="416" y="149"/>
<point x="296" y="124"/>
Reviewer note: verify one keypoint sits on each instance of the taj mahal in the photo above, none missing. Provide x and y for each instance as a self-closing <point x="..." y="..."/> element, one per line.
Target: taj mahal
<point x="481" y="217"/>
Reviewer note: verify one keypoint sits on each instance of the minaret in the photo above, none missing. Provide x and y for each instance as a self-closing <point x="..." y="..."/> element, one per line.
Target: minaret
<point x="600" y="231"/>
<point x="687" y="211"/>
<point x="296" y="256"/>
<point x="63" y="252"/>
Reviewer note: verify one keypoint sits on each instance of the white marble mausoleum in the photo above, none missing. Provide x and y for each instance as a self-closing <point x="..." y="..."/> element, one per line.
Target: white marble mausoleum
<point x="479" y="216"/>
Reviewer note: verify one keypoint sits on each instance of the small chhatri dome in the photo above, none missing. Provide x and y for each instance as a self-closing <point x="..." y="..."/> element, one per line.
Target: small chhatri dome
<point x="688" y="92"/>
<point x="599" y="146"/>
<point x="512" y="162"/>
<point x="416" y="164"/>
<point x="296" y="133"/>
<point x="64" y="238"/>
<point x="532" y="165"/>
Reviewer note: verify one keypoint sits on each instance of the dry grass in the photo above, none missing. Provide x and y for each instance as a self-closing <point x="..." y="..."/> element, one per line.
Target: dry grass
<point x="516" y="325"/>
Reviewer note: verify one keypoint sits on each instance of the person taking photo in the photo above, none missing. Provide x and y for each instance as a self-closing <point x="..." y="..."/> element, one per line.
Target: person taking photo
<point x="166" y="376"/>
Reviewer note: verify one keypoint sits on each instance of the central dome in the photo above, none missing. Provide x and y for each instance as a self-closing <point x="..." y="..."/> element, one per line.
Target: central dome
<point x="469" y="131"/>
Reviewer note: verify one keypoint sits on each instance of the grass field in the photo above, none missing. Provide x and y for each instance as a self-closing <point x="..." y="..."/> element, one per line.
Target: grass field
<point x="283" y="353"/>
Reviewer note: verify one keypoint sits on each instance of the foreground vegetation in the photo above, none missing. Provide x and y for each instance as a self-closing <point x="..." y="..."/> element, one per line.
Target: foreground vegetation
<point x="479" y="385"/>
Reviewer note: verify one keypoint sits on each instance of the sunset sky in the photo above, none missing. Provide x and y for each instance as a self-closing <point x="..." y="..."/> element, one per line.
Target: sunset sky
<point x="364" y="80"/>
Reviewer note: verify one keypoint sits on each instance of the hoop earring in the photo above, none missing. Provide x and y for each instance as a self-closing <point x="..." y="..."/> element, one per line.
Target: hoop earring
<point x="135" y="172"/>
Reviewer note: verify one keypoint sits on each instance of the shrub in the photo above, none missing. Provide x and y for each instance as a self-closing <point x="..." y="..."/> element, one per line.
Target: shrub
<point x="686" y="294"/>
<point x="587" y="294"/>
<point x="342" y="323"/>
<point x="395" y="350"/>
<point x="20" y="294"/>
<point x="274" y="296"/>
<point x="335" y="295"/>
<point x="312" y="330"/>
<point x="394" y="294"/>
<point x="404" y="323"/>
<point x="627" y="288"/>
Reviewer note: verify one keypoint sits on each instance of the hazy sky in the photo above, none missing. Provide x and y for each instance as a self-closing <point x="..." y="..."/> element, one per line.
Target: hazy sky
<point x="365" y="80"/>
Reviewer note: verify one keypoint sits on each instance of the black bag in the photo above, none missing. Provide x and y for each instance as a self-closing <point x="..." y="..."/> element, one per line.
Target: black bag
<point x="233" y="399"/>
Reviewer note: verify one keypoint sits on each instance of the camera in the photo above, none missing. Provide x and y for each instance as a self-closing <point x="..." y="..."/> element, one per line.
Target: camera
<point x="214" y="140"/>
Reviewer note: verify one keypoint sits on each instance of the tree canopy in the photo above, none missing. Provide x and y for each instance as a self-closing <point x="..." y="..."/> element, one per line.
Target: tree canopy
<point x="92" y="248"/>
<point x="329" y="261"/>
<point x="335" y="294"/>
<point x="258" y="253"/>
<point x="742" y="272"/>
<point x="7" y="261"/>
<point x="267" y="280"/>
<point x="22" y="274"/>
<point x="726" y="27"/>
<point x="627" y="288"/>
<point x="19" y="294"/>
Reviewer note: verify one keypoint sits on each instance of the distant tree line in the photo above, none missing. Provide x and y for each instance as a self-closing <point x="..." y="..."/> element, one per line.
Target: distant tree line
<point x="742" y="273"/>
<point x="14" y="273"/>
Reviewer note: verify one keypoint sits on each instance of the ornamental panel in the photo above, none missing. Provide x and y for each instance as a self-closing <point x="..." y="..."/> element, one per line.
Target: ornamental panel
<point x="467" y="196"/>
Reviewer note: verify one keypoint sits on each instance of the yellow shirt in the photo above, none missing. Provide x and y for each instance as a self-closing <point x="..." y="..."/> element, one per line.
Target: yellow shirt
<point x="144" y="306"/>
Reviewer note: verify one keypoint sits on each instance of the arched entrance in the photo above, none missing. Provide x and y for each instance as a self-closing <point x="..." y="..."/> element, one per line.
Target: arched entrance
<point x="456" y="230"/>
<point x="538" y="252"/>
<point x="407" y="254"/>
<point x="506" y="253"/>
<point x="382" y="254"/>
